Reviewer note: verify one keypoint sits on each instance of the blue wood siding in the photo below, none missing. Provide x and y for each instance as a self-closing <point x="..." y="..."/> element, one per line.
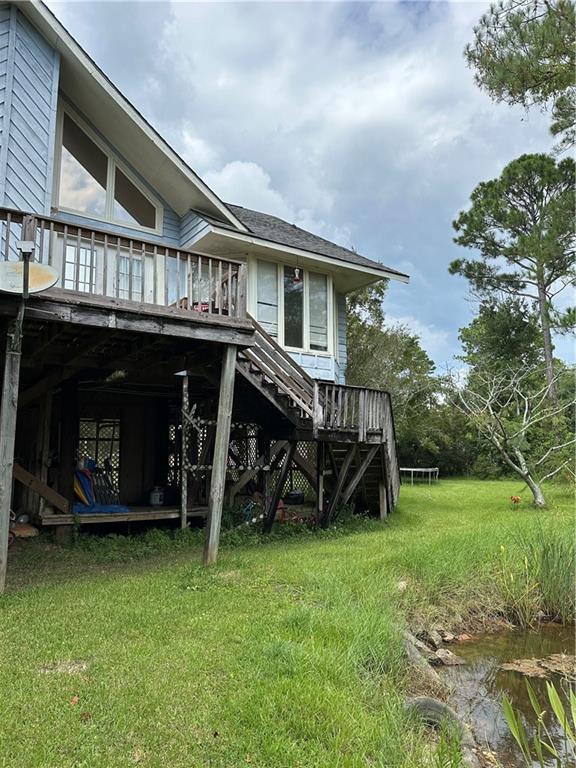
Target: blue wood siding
<point x="31" y="70"/>
<point x="192" y="226"/>
<point x="341" y="351"/>
<point x="317" y="366"/>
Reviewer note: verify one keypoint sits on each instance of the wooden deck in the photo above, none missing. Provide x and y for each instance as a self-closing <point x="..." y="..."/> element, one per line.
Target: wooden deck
<point x="136" y="514"/>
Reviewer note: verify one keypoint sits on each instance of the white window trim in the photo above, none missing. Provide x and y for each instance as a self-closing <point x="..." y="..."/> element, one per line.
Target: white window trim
<point x="253" y="290"/>
<point x="113" y="163"/>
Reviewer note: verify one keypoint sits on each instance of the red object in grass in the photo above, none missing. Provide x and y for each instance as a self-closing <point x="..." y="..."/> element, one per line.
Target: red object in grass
<point x="515" y="500"/>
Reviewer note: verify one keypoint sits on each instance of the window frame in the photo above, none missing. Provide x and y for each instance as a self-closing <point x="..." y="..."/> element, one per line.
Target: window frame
<point x="113" y="163"/>
<point x="305" y="271"/>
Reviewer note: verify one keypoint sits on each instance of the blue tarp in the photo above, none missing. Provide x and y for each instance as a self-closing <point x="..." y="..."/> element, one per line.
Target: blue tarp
<point x="98" y="509"/>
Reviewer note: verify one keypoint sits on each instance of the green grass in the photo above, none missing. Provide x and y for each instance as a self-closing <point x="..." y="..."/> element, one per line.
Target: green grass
<point x="287" y="653"/>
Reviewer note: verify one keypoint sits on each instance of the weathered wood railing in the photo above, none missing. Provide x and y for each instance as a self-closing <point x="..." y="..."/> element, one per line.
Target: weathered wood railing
<point x="343" y="408"/>
<point x="281" y="370"/>
<point x="102" y="263"/>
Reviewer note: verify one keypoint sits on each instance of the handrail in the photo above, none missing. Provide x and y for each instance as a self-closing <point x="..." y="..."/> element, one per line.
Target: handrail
<point x="130" y="268"/>
<point x="340" y="407"/>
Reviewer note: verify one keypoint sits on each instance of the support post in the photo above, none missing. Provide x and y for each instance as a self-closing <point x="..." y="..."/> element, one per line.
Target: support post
<point x="273" y="503"/>
<point x="383" y="501"/>
<point x="184" y="455"/>
<point x="8" y="416"/>
<point x="320" y="460"/>
<point x="221" y="440"/>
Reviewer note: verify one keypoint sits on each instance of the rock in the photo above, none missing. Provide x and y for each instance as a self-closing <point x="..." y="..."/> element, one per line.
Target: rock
<point x="463" y="637"/>
<point x="447" y="658"/>
<point x="448" y="637"/>
<point x="434" y="638"/>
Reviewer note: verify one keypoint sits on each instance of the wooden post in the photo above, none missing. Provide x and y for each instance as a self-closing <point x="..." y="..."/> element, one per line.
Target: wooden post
<point x="339" y="485"/>
<point x="184" y="454"/>
<point x="383" y="501"/>
<point x="273" y="503"/>
<point x="319" y="481"/>
<point x="221" y="440"/>
<point x="44" y="447"/>
<point x="8" y="416"/>
<point x="68" y="447"/>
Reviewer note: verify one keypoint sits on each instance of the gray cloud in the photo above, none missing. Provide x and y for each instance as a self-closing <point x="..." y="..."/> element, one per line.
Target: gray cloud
<point x="359" y="121"/>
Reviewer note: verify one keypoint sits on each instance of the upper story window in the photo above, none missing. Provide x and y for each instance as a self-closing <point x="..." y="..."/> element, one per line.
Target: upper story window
<point x="293" y="306"/>
<point x="92" y="183"/>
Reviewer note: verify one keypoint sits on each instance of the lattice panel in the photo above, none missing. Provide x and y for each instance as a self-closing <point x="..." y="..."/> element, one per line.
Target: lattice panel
<point x="99" y="440"/>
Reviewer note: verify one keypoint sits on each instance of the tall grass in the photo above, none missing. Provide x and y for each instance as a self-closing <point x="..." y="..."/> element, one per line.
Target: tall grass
<point x="536" y="577"/>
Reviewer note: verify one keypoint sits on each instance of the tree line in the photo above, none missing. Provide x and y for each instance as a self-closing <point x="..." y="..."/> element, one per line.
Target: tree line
<point x="509" y="407"/>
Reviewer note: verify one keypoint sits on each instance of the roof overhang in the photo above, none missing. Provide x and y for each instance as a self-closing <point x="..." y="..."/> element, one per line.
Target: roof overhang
<point x="119" y="121"/>
<point x="239" y="245"/>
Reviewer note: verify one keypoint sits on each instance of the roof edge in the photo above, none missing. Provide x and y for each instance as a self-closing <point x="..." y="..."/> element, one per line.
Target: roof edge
<point x="36" y="10"/>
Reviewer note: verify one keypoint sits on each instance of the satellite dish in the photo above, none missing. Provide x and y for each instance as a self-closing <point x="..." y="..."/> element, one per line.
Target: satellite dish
<point x="40" y="277"/>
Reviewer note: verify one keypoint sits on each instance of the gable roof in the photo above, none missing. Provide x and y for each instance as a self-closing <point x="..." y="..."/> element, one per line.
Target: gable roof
<point x="94" y="94"/>
<point x="276" y="230"/>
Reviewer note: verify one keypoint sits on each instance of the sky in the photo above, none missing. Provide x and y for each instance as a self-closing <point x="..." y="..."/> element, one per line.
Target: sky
<point x="358" y="121"/>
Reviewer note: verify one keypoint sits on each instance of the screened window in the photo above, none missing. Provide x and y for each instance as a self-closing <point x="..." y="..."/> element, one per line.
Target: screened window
<point x="92" y="183"/>
<point x="318" y="311"/>
<point x="267" y="297"/>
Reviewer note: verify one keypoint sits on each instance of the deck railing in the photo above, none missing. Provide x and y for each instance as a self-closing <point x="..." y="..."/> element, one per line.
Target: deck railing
<point x="343" y="408"/>
<point x="102" y="263"/>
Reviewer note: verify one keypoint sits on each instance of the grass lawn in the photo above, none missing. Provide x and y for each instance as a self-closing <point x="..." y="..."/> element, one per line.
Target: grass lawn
<point x="287" y="653"/>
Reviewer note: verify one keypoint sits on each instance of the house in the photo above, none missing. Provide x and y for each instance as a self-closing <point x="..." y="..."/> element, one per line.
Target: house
<point x="188" y="344"/>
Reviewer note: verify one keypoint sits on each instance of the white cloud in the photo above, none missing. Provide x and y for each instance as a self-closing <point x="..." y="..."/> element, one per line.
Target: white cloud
<point x="434" y="340"/>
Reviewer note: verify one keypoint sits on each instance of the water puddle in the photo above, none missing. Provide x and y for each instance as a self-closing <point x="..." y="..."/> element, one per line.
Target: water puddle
<point x="478" y="687"/>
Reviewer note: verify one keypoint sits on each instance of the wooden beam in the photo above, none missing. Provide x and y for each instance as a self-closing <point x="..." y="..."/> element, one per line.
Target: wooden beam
<point x="35" y="484"/>
<point x="383" y="500"/>
<point x="220" y="460"/>
<point x="277" y="493"/>
<point x="8" y="417"/>
<point x="68" y="445"/>
<point x="359" y="474"/>
<point x="184" y="457"/>
<point x="307" y="469"/>
<point x="338" y="486"/>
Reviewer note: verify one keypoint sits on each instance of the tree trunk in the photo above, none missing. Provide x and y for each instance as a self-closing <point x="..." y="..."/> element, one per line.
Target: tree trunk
<point x="538" y="496"/>
<point x="547" y="342"/>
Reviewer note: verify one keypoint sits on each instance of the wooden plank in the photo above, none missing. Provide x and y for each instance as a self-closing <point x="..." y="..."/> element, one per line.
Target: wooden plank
<point x="8" y="417"/>
<point x="340" y="480"/>
<point x="359" y="474"/>
<point x="320" y="461"/>
<point x="220" y="460"/>
<point x="277" y="493"/>
<point x="34" y="483"/>
<point x="383" y="500"/>
<point x="134" y="515"/>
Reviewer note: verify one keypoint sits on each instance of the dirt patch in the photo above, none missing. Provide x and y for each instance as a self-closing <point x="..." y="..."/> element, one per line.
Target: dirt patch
<point x="65" y="667"/>
<point x="557" y="663"/>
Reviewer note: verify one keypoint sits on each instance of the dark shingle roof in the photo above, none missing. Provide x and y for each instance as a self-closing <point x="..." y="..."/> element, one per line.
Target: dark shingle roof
<point x="268" y="227"/>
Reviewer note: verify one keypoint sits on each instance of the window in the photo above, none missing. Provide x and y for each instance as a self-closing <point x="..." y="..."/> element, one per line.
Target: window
<point x="92" y="183"/>
<point x="79" y="268"/>
<point x="318" y="311"/>
<point x="293" y="306"/>
<point x="267" y="297"/>
<point x="130" y="278"/>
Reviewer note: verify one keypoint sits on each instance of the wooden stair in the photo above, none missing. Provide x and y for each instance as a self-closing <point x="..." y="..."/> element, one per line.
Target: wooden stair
<point x="354" y="424"/>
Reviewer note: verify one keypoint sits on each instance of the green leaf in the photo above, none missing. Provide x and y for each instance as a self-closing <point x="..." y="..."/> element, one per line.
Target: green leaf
<point x="534" y="700"/>
<point x="559" y="710"/>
